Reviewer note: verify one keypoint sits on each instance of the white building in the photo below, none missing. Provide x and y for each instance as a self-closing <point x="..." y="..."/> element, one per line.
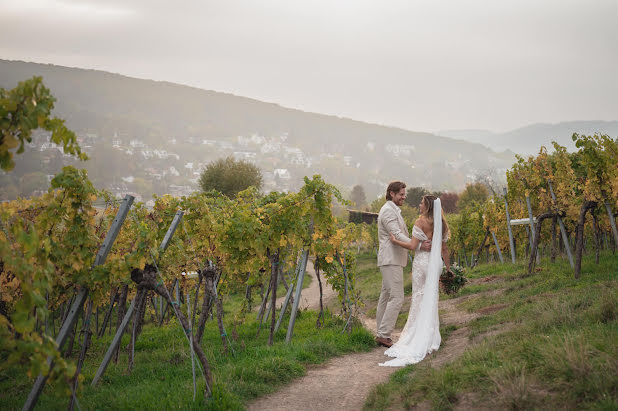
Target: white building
<point x="270" y="147"/>
<point x="137" y="143"/>
<point x="244" y="155"/>
<point x="282" y="173"/>
<point x="48" y="146"/>
<point x="400" y="149"/>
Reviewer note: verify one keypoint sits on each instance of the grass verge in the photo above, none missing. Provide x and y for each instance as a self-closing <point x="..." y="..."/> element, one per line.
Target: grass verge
<point x="162" y="379"/>
<point x="558" y="351"/>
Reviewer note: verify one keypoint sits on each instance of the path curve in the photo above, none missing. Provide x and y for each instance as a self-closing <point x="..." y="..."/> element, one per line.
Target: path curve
<point x="343" y="383"/>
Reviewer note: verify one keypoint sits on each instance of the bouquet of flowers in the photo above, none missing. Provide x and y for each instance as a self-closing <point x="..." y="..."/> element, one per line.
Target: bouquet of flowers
<point x="452" y="280"/>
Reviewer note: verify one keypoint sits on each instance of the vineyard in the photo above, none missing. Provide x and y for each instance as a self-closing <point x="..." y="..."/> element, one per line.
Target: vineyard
<point x="71" y="260"/>
<point x="560" y="187"/>
<point x="52" y="273"/>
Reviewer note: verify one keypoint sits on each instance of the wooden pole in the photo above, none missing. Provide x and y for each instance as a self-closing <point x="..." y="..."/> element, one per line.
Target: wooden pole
<point x="537" y="238"/>
<point x="612" y="221"/>
<point x="532" y="232"/>
<point x="580" y="235"/>
<point x="497" y="247"/>
<point x="508" y="224"/>
<point x="565" y="237"/>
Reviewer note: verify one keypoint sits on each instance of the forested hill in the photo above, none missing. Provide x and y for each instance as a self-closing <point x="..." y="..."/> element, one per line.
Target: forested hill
<point x="156" y="112"/>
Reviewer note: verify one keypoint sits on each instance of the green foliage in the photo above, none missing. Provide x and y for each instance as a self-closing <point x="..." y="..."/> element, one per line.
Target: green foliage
<point x="414" y="195"/>
<point x="230" y="176"/>
<point x="475" y="193"/>
<point x="46" y="244"/>
<point x="358" y="197"/>
<point x="25" y="108"/>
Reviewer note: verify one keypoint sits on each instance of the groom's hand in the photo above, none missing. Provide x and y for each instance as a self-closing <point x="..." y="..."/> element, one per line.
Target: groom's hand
<point x="426" y="245"/>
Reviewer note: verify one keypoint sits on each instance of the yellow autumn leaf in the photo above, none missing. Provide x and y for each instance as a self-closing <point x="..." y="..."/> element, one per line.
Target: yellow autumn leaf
<point x="329" y="259"/>
<point x="282" y="242"/>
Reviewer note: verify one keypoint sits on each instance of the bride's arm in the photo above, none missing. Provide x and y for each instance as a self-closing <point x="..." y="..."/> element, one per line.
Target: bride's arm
<point x="446" y="257"/>
<point x="410" y="245"/>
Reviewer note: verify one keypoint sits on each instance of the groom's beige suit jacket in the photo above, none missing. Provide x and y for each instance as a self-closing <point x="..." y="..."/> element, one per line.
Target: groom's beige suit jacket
<point x="391" y="221"/>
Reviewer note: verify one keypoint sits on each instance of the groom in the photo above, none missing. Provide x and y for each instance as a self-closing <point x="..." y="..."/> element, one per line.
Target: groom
<point x="391" y="260"/>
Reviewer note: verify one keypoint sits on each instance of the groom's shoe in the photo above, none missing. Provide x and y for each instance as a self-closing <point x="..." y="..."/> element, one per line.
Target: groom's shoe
<point x="386" y="342"/>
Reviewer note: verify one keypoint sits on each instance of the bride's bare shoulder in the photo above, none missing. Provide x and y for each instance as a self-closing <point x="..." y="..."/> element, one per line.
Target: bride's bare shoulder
<point x="419" y="221"/>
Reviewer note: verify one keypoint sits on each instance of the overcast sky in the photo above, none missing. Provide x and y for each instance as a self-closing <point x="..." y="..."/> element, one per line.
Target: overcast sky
<point x="421" y="65"/>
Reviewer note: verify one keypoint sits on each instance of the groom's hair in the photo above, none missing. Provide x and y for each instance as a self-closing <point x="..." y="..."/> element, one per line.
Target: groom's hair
<point x="394" y="186"/>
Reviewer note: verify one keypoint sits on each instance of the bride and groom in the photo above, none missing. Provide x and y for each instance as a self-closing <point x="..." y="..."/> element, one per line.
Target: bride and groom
<point x="421" y="334"/>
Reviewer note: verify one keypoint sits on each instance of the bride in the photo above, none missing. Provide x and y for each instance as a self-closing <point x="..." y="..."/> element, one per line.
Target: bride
<point x="421" y="334"/>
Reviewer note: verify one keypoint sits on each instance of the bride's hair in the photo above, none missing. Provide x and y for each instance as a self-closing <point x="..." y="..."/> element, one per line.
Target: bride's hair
<point x="428" y="201"/>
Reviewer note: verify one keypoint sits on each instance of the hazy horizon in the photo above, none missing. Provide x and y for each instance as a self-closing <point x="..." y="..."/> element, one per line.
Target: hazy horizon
<point x="420" y="66"/>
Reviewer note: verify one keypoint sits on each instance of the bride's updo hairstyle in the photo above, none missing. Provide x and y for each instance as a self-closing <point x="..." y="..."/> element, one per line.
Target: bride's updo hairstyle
<point x="428" y="201"/>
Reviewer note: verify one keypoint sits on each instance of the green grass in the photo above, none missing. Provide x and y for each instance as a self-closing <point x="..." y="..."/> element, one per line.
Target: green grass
<point x="161" y="377"/>
<point x="558" y="349"/>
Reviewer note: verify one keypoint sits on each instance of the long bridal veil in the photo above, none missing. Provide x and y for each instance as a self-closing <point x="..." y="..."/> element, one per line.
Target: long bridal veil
<point x="421" y="334"/>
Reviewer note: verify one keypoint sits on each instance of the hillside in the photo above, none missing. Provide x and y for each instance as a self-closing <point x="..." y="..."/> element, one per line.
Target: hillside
<point x="527" y="140"/>
<point x="119" y="117"/>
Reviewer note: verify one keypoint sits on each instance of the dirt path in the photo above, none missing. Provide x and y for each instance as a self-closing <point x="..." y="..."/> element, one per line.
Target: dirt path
<point x="343" y="383"/>
<point x="310" y="296"/>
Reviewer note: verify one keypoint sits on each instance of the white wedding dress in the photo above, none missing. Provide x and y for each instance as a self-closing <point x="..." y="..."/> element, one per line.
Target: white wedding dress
<point x="421" y="334"/>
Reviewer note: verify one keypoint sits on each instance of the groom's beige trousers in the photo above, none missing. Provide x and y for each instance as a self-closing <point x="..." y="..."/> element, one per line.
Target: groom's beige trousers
<point x="391" y="299"/>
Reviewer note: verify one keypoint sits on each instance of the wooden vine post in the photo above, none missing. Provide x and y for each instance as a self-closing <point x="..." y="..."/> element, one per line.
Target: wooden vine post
<point x="579" y="241"/>
<point x="532" y="232"/>
<point x="497" y="247"/>
<point x="565" y="238"/>
<point x="612" y="221"/>
<point x="508" y="224"/>
<point x="537" y="237"/>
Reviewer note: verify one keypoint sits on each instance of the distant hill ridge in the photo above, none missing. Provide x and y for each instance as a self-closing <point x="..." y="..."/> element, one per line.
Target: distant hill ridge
<point x="528" y="139"/>
<point x="344" y="151"/>
<point x="186" y="110"/>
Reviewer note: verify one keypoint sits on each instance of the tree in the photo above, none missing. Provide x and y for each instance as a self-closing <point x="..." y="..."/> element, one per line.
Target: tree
<point x="473" y="193"/>
<point x="230" y="176"/>
<point x="414" y="195"/>
<point x="490" y="179"/>
<point x="30" y="182"/>
<point x="26" y="108"/>
<point x="449" y="202"/>
<point x="358" y="196"/>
